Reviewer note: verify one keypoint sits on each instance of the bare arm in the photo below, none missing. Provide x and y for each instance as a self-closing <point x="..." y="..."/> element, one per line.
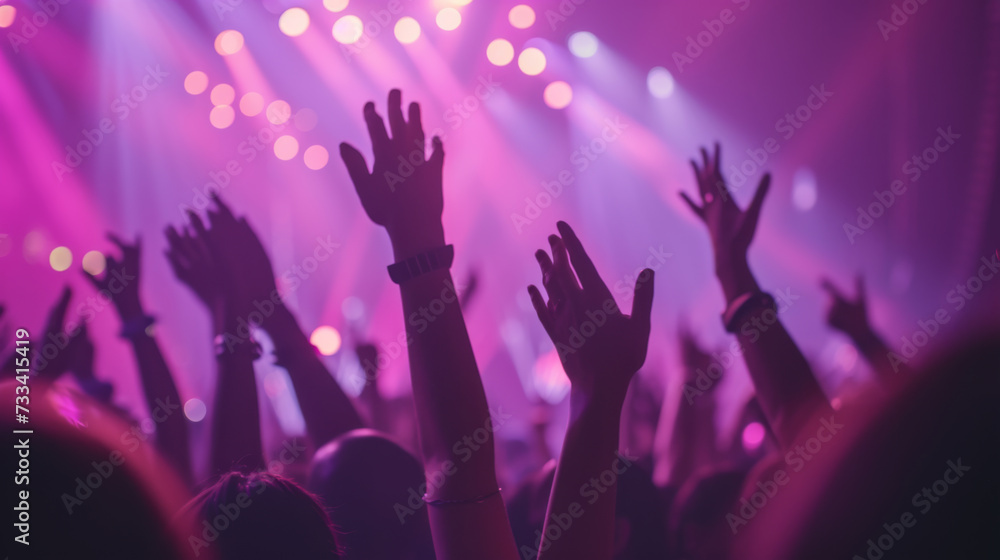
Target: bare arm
<point x="600" y="369"/>
<point x="121" y="281"/>
<point x="448" y="393"/>
<point x="782" y="377"/>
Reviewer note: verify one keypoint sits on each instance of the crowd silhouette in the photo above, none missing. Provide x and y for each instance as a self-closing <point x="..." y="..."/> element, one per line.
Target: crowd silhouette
<point x="904" y="468"/>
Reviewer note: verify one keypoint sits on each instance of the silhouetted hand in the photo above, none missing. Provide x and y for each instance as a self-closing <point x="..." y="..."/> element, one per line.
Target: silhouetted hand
<point x="121" y="278"/>
<point x="196" y="264"/>
<point x="243" y="255"/>
<point x="403" y="192"/>
<point x="730" y="228"/>
<point x="600" y="348"/>
<point x="849" y="316"/>
<point x="694" y="356"/>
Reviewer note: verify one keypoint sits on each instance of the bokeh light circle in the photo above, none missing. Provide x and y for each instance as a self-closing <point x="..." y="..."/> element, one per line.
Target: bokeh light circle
<point x="94" y="262"/>
<point x="228" y="42"/>
<point x="407" y="30"/>
<point x="251" y="104"/>
<point x="335" y="5"/>
<point x="223" y="94"/>
<point x="583" y="44"/>
<point x="521" y="16"/>
<point x="326" y="339"/>
<point x="285" y="147"/>
<point x="660" y="82"/>
<point x="196" y="82"/>
<point x="448" y="19"/>
<point x="558" y="95"/>
<point x="531" y="61"/>
<point x="316" y="157"/>
<point x="60" y="259"/>
<point x="8" y="14"/>
<point x="294" y="22"/>
<point x="195" y="410"/>
<point x="278" y="112"/>
<point x="348" y="29"/>
<point x="222" y="116"/>
<point x="500" y="52"/>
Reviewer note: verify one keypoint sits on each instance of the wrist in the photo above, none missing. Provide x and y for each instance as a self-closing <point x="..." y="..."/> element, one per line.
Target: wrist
<point x="129" y="310"/>
<point x="735" y="278"/>
<point x="408" y="242"/>
<point x="603" y="403"/>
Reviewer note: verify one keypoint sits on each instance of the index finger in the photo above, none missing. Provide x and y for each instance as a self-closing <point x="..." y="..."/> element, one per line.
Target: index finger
<point x="590" y="279"/>
<point x="827" y="285"/>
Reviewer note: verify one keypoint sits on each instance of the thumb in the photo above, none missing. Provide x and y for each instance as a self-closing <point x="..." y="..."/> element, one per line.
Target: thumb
<point x="642" y="303"/>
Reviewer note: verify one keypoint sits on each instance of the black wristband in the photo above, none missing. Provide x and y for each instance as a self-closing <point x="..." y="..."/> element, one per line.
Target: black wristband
<point x="743" y="305"/>
<point x="422" y="263"/>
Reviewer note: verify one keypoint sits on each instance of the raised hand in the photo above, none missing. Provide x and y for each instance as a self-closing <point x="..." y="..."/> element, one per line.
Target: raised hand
<point x="196" y="264"/>
<point x="242" y="254"/>
<point x="730" y="228"/>
<point x="403" y="192"/>
<point x="600" y="348"/>
<point x="121" y="278"/>
<point x="63" y="360"/>
<point x="849" y="316"/>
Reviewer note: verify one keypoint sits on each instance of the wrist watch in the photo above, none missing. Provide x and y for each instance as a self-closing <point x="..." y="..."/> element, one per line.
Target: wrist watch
<point x="422" y="263"/>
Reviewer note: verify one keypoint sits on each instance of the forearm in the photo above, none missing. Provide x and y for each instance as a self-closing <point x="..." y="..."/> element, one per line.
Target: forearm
<point x="328" y="412"/>
<point x="162" y="398"/>
<point x="236" y="418"/>
<point x="782" y="377"/>
<point x="580" y="494"/>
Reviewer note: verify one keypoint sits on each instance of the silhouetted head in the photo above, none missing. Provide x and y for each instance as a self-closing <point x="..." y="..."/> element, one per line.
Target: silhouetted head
<point x="84" y="484"/>
<point x="698" y="526"/>
<point x="259" y="515"/>
<point x="910" y="475"/>
<point x="373" y="491"/>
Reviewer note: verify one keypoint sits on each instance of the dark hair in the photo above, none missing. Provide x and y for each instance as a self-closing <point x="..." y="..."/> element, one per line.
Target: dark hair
<point x="89" y="487"/>
<point x="259" y="515"/>
<point x="372" y="489"/>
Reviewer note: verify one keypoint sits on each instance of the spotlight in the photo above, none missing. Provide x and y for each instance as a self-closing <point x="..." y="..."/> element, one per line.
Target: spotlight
<point x="449" y="19"/>
<point x="228" y="42"/>
<point x="196" y="82"/>
<point x="285" y="147"/>
<point x="294" y="22"/>
<point x="222" y="116"/>
<point x="407" y="30"/>
<point x="316" y="157"/>
<point x="278" y="112"/>
<point x="326" y="339"/>
<point x="521" y="16"/>
<point x="223" y="94"/>
<point x="348" y="30"/>
<point x="251" y="104"/>
<point x="94" y="263"/>
<point x="660" y="82"/>
<point x="531" y="61"/>
<point x="500" y="52"/>
<point x="335" y="5"/>
<point x="804" y="191"/>
<point x="7" y="15"/>
<point x="60" y="258"/>
<point x="558" y="95"/>
<point x="195" y="410"/>
<point x="583" y="44"/>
